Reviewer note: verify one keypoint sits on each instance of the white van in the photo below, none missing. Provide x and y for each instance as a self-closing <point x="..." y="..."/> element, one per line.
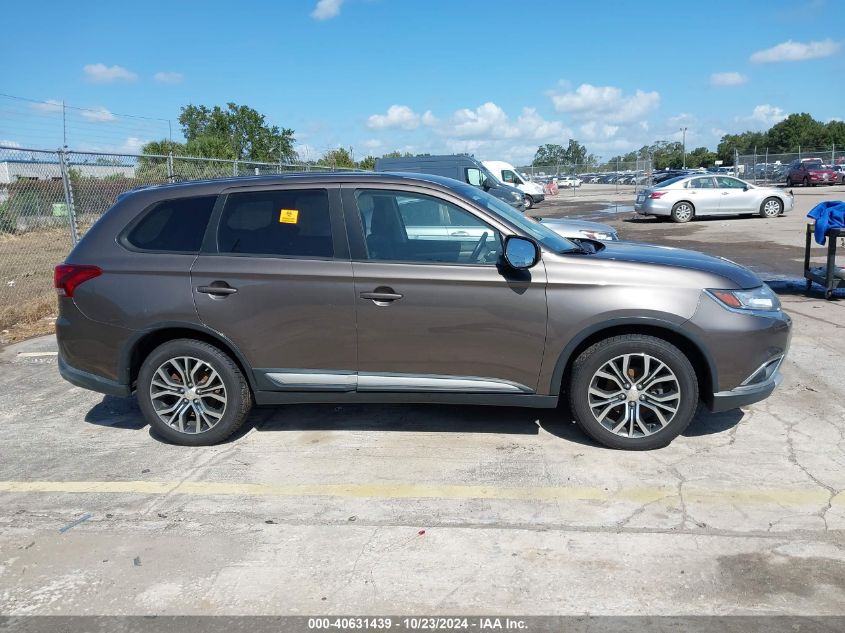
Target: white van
<point x="507" y="174"/>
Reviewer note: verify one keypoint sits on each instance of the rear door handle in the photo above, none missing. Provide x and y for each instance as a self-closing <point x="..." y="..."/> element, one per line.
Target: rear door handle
<point x="217" y="290"/>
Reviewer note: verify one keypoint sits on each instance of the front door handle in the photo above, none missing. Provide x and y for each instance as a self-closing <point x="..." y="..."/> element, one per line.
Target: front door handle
<point x="724" y="193"/>
<point x="219" y="288"/>
<point x="382" y="296"/>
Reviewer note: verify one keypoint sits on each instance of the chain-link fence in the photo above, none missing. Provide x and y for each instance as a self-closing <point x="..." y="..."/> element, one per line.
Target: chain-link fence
<point x="48" y="199"/>
<point x="627" y="175"/>
<point x="763" y="167"/>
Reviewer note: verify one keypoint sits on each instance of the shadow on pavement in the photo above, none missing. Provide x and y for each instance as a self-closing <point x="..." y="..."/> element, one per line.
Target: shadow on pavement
<point x="123" y="413"/>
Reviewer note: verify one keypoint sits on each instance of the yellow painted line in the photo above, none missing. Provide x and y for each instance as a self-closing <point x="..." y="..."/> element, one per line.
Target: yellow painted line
<point x="640" y="495"/>
<point x="36" y="354"/>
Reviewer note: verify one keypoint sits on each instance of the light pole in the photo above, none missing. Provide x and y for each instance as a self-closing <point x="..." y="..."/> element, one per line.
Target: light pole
<point x="684" y="146"/>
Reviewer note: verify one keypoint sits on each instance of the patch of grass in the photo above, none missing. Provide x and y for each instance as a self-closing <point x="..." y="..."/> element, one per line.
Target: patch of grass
<point x="27" y="298"/>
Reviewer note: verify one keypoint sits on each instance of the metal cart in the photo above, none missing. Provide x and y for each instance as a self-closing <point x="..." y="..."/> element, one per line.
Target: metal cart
<point x="829" y="280"/>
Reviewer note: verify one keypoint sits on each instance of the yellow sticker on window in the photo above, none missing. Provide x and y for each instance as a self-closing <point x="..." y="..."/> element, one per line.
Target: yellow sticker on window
<point x="289" y="216"/>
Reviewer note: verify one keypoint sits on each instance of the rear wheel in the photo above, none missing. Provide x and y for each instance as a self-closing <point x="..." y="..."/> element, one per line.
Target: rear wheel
<point x="633" y="392"/>
<point x="682" y="212"/>
<point x="192" y="393"/>
<point x="771" y="208"/>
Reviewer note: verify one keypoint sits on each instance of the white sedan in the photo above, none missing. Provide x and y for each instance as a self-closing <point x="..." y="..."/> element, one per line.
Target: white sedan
<point x="687" y="197"/>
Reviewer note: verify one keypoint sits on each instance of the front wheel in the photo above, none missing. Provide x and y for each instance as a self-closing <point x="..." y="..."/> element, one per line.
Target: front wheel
<point x="682" y="212"/>
<point x="771" y="208"/>
<point x="192" y="393"/>
<point x="633" y="392"/>
<point x="529" y="202"/>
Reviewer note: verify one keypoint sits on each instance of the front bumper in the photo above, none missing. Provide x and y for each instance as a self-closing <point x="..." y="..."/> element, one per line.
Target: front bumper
<point x="537" y="197"/>
<point x="743" y="396"/>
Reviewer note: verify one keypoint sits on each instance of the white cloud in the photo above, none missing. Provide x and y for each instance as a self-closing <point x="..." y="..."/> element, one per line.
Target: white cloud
<point x="373" y="144"/>
<point x="326" y="9"/>
<point x="100" y="73"/>
<point x="790" y="51"/>
<point x="398" y="116"/>
<point x="9" y="143"/>
<point x="164" y="77"/>
<point x="429" y="119"/>
<point x="728" y="79"/>
<point x="51" y="105"/>
<point x="99" y="115"/>
<point x="607" y="103"/>
<point x="767" y="115"/>
<point x="133" y="145"/>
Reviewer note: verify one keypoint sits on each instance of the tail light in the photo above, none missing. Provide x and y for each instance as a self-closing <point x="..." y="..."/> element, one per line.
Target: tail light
<point x="656" y="195"/>
<point x="66" y="277"/>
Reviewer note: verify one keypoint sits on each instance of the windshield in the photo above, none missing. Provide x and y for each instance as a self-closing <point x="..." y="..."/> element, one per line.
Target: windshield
<point x="813" y="164"/>
<point x="545" y="236"/>
<point x="488" y="174"/>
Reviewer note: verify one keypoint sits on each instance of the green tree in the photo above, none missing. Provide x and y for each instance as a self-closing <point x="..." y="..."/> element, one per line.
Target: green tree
<point x="368" y="162"/>
<point x="549" y="154"/>
<point x="339" y="157"/>
<point x="701" y="157"/>
<point x="236" y="133"/>
<point x="163" y="148"/>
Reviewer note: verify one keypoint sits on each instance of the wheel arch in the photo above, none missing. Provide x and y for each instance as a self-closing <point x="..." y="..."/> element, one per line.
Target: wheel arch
<point x="701" y="360"/>
<point x="143" y="343"/>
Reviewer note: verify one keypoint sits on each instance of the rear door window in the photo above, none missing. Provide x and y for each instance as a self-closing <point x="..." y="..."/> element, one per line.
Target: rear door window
<point x="173" y="225"/>
<point x="285" y="223"/>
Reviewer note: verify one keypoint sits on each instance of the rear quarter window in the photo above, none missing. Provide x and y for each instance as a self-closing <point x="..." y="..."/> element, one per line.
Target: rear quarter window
<point x="173" y="225"/>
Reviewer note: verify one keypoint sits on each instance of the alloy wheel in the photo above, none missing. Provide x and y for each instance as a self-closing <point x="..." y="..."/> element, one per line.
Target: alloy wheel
<point x="634" y="395"/>
<point x="188" y="395"/>
<point x="771" y="209"/>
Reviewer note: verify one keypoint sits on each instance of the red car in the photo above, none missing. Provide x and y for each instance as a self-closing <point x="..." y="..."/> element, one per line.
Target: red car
<point x="810" y="171"/>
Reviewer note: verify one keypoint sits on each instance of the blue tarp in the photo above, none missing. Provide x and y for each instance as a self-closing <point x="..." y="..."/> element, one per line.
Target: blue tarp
<point x="828" y="215"/>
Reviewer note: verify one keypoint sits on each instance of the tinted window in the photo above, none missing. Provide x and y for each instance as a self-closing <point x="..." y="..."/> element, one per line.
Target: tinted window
<point x="409" y="227"/>
<point x="548" y="238"/>
<point x="173" y="225"/>
<point x="730" y="183"/>
<point x="474" y="176"/>
<point x="292" y="223"/>
<point x="702" y="183"/>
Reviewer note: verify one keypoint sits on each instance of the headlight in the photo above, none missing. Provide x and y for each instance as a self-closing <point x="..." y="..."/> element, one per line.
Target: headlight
<point x="761" y="298"/>
<point x="516" y="196"/>
<point x="599" y="235"/>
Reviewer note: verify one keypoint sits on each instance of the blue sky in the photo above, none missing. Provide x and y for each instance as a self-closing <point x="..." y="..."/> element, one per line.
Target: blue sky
<point x="492" y="78"/>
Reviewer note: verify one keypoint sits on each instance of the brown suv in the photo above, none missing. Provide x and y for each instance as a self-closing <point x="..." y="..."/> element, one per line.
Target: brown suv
<point x="204" y="298"/>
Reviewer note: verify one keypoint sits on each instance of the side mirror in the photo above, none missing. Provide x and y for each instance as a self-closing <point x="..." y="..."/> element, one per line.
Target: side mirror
<point x="520" y="252"/>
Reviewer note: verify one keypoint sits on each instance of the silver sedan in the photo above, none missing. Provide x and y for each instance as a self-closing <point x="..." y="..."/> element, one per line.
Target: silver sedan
<point x="688" y="197"/>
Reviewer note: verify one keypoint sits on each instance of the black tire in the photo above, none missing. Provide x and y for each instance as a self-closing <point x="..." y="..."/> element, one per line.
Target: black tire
<point x="788" y="181"/>
<point x="767" y="210"/>
<point x="238" y="397"/>
<point x="805" y="182"/>
<point x="597" y="356"/>
<point x="529" y="202"/>
<point x="682" y="212"/>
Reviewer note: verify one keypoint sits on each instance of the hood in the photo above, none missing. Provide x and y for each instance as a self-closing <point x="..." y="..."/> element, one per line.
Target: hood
<point x="578" y="225"/>
<point x="678" y="258"/>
